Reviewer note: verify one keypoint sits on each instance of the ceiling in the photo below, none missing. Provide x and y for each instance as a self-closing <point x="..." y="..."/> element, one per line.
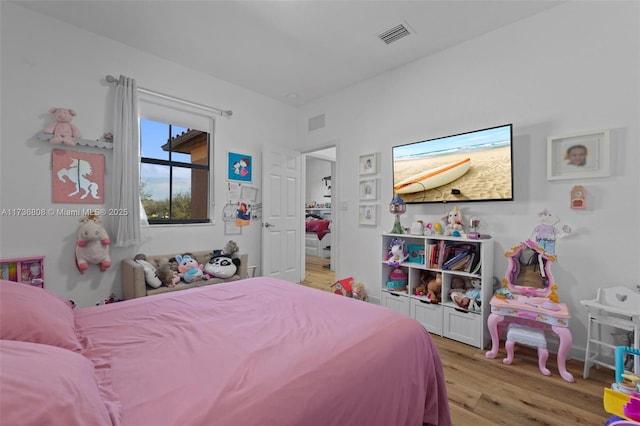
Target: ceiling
<point x="292" y="51"/>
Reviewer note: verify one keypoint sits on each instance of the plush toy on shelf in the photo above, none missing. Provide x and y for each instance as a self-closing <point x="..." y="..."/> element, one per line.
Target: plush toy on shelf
<point x="93" y="244"/>
<point x="397" y="252"/>
<point x="63" y="129"/>
<point x="434" y="289"/>
<point x="397" y="280"/>
<point x="453" y="225"/>
<point x="463" y="294"/>
<point x="189" y="268"/>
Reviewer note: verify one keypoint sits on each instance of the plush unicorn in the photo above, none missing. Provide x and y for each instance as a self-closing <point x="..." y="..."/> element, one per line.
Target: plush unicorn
<point x="454" y="223"/>
<point x="93" y="244"/>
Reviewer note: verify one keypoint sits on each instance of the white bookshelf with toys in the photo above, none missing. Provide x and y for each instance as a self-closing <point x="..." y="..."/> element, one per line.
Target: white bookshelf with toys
<point x="414" y="266"/>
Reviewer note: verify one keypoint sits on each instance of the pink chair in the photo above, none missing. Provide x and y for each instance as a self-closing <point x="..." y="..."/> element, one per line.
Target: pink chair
<point x="529" y="336"/>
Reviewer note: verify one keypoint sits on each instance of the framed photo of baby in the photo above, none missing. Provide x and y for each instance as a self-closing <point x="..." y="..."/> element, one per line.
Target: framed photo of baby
<point x="578" y="156"/>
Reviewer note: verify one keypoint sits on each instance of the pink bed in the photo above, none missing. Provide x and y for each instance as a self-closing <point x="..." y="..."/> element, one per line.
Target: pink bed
<point x="320" y="227"/>
<point x="260" y="351"/>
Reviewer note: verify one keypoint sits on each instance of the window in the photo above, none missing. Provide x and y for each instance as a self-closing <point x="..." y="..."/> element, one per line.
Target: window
<point x="174" y="173"/>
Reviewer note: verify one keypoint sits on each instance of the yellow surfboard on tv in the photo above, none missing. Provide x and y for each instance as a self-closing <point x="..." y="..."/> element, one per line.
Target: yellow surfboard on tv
<point x="433" y="178"/>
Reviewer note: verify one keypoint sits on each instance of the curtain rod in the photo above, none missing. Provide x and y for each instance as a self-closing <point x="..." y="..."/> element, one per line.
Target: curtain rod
<point x="222" y="112"/>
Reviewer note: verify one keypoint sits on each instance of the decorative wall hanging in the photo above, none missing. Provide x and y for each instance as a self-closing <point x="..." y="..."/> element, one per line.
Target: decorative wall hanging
<point x="369" y="189"/>
<point x="243" y="214"/>
<point x="239" y="167"/>
<point x="92" y="246"/>
<point x="577" y="156"/>
<point x="368" y="214"/>
<point x="77" y="177"/>
<point x="368" y="164"/>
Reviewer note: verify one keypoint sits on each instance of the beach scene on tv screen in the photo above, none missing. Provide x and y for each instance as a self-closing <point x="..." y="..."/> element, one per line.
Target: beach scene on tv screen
<point x="477" y="164"/>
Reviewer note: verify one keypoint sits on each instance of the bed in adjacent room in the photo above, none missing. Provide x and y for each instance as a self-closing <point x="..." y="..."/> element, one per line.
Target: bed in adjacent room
<point x="259" y="351"/>
<point x="316" y="236"/>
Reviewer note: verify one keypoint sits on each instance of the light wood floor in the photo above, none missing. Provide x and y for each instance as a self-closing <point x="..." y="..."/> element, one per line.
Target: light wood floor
<point x="317" y="276"/>
<point x="486" y="392"/>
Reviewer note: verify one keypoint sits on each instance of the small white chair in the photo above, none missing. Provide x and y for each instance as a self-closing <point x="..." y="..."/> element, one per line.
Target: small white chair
<point x="617" y="307"/>
<point x="528" y="336"/>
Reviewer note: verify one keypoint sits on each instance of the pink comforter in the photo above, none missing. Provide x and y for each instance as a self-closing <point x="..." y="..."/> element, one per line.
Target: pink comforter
<point x="320" y="227"/>
<point x="263" y="351"/>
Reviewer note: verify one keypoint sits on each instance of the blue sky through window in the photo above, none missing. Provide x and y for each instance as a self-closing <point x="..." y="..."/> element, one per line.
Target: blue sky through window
<point x="153" y="136"/>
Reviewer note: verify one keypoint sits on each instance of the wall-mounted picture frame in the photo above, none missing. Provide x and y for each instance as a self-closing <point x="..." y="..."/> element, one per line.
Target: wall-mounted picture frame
<point x="239" y="167"/>
<point x="77" y="177"/>
<point x="368" y="214"/>
<point x="578" y="155"/>
<point x="368" y="164"/>
<point x="369" y="189"/>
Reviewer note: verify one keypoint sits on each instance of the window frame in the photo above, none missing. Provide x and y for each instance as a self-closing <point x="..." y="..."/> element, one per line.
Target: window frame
<point x="160" y="111"/>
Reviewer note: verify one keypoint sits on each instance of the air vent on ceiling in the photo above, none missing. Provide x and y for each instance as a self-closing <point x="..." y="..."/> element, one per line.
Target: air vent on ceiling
<point x="316" y="122"/>
<point x="395" y="33"/>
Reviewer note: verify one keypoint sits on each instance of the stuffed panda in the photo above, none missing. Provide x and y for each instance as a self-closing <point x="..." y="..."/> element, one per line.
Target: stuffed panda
<point x="221" y="265"/>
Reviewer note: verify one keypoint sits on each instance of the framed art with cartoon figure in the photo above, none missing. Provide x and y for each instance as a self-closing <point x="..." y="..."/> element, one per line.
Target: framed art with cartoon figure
<point x="367" y="214"/>
<point x="578" y="155"/>
<point x="369" y="189"/>
<point x="368" y="164"/>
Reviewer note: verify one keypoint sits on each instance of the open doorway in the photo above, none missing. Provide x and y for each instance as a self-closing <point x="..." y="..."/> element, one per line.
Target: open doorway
<point x="320" y="235"/>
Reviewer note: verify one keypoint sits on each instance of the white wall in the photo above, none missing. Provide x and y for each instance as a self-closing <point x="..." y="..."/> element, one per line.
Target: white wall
<point x="47" y="63"/>
<point x="572" y="68"/>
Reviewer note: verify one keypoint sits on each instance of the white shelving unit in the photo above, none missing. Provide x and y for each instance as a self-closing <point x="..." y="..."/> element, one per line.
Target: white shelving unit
<point x="445" y="318"/>
<point x="78" y="141"/>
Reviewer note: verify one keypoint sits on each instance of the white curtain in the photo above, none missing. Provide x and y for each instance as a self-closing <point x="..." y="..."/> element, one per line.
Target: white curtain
<point x="126" y="165"/>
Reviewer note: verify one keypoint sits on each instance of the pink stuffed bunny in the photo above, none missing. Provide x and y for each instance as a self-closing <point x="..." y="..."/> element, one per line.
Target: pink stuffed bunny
<point x="63" y="130"/>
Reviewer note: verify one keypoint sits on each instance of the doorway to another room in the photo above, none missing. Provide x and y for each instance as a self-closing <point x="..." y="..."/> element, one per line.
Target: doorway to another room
<point x="320" y="235"/>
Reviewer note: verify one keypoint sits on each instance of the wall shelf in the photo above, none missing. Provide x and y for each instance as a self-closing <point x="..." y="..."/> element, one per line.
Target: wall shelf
<point x="79" y="141"/>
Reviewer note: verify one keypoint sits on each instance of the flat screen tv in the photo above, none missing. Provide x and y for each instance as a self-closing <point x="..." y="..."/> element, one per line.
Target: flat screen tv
<point x="471" y="166"/>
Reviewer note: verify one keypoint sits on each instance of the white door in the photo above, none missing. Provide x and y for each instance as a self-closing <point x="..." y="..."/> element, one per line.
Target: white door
<point x="281" y="214"/>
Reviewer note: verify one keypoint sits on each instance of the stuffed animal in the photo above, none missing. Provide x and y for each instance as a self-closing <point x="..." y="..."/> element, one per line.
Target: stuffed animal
<point x="63" y="130"/>
<point x="149" y="270"/>
<point x="397" y="252"/>
<point x="434" y="289"/>
<point x="231" y="249"/>
<point x="189" y="268"/>
<point x="93" y="244"/>
<point x="167" y="276"/>
<point x="397" y="280"/>
<point x="462" y="294"/>
<point x="359" y="292"/>
<point x="453" y="221"/>
<point x="221" y="265"/>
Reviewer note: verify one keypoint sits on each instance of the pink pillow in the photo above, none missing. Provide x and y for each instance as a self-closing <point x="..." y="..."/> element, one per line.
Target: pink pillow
<point x="43" y="384"/>
<point x="32" y="314"/>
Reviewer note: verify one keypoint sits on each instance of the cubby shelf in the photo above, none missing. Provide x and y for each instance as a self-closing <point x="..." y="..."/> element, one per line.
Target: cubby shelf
<point x="445" y="318"/>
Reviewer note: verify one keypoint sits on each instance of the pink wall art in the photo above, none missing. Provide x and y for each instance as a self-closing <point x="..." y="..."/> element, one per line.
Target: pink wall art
<point x="77" y="177"/>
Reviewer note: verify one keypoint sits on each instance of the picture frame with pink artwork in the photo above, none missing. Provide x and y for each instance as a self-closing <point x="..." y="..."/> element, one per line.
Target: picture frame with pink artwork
<point x="77" y="177"/>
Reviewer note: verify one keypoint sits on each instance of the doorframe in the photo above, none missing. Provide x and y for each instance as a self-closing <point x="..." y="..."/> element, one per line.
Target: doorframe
<point x="335" y="200"/>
